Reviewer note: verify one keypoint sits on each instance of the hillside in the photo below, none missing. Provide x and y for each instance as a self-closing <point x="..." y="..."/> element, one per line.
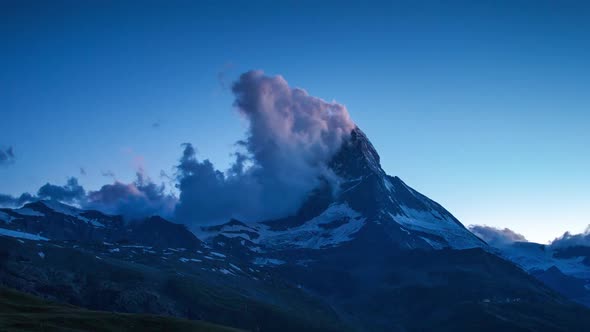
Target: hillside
<point x="23" y="312"/>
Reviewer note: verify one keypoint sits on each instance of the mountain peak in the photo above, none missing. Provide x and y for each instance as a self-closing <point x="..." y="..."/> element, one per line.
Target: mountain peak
<point x="367" y="204"/>
<point x="357" y="157"/>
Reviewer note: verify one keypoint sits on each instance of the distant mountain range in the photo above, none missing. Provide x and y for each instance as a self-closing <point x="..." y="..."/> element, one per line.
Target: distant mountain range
<point x="371" y="254"/>
<point x="565" y="269"/>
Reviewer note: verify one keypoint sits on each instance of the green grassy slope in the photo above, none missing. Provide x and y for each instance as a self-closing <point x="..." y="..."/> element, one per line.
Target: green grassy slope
<point x="23" y="312"/>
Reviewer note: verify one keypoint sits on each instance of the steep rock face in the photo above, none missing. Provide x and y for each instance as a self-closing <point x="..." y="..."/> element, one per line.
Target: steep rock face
<point x="389" y="202"/>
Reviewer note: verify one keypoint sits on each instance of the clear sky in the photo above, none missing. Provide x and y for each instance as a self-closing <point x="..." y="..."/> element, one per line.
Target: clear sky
<point x="484" y="106"/>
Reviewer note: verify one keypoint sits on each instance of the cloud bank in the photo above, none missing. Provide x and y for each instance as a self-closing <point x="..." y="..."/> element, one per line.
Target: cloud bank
<point x="291" y="137"/>
<point x="572" y="240"/>
<point x="141" y="198"/>
<point x="499" y="237"/>
<point x="70" y="193"/>
<point x="138" y="199"/>
<point x="12" y="201"/>
<point x="496" y="236"/>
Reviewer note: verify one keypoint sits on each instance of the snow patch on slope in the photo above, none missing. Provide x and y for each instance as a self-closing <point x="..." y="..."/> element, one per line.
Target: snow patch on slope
<point x="72" y="212"/>
<point x="337" y="224"/>
<point x="533" y="256"/>
<point x="267" y="261"/>
<point x="318" y="233"/>
<point x="29" y="212"/>
<point x="62" y="208"/>
<point x="21" y="235"/>
<point x="434" y="223"/>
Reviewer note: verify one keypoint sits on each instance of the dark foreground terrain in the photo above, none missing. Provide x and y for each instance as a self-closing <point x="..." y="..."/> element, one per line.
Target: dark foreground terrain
<point x="23" y="312"/>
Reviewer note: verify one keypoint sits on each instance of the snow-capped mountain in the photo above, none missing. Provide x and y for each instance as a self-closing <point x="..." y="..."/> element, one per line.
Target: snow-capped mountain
<point x="374" y="245"/>
<point x="370" y="254"/>
<point x="573" y="261"/>
<point x="565" y="269"/>
<point x="367" y="202"/>
<point x="51" y="220"/>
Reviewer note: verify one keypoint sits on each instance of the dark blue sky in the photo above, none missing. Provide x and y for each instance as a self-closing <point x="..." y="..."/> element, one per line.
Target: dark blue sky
<point x="482" y="105"/>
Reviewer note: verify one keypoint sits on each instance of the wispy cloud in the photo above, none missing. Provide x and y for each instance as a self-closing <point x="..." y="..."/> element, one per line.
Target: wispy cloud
<point x="223" y="74"/>
<point x="496" y="236"/>
<point x="7" y="156"/>
<point x="572" y="240"/>
<point x="108" y="174"/>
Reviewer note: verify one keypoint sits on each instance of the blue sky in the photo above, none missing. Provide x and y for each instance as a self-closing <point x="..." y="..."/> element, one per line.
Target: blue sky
<point x="482" y="106"/>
